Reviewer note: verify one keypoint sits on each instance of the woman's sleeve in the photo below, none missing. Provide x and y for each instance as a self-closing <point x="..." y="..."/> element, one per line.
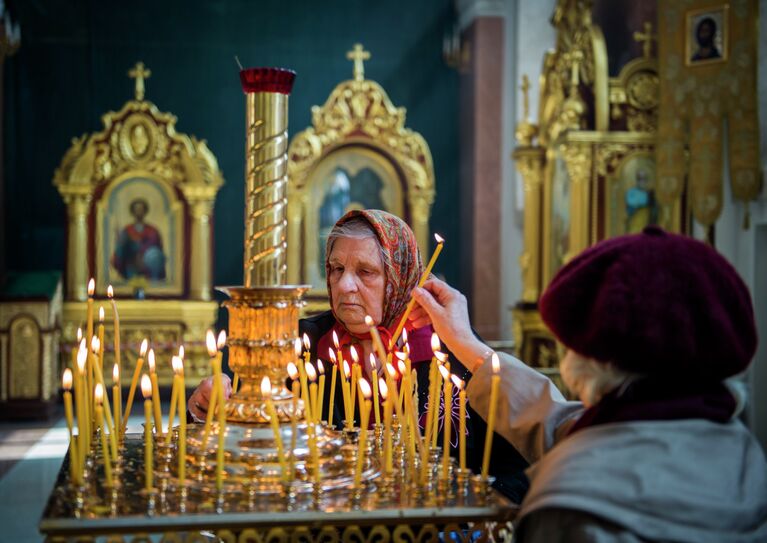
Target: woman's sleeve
<point x="531" y="414"/>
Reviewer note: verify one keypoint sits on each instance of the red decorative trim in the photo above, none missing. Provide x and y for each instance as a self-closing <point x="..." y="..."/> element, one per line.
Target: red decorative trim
<point x="267" y="80"/>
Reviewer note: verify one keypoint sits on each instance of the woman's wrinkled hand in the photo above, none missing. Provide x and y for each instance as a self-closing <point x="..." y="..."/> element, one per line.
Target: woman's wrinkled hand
<point x="200" y="398"/>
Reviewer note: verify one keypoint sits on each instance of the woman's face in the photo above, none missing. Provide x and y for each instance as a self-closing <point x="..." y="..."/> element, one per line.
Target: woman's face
<point x="357" y="282"/>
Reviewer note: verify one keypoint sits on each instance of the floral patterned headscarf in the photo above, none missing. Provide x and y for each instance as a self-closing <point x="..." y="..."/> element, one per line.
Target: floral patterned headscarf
<point x="403" y="266"/>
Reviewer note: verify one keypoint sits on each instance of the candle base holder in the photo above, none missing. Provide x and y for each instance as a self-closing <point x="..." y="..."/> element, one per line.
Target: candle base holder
<point x="482" y="487"/>
<point x="352" y="435"/>
<point x="462" y="481"/>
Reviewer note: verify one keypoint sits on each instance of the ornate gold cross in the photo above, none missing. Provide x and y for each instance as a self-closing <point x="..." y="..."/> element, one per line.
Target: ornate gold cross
<point x="646" y="38"/>
<point x="358" y="55"/>
<point x="139" y="73"/>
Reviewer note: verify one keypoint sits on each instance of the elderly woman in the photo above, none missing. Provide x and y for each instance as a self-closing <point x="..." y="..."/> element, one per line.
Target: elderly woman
<point x="654" y="451"/>
<point x="372" y="264"/>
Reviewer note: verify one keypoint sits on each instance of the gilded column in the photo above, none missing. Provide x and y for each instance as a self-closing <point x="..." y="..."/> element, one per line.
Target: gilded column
<point x="78" y="206"/>
<point x="578" y="162"/>
<point x="266" y="175"/>
<point x="530" y="161"/>
<point x="200" y="270"/>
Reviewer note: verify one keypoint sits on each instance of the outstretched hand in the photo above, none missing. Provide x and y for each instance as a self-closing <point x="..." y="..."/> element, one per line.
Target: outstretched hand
<point x="200" y="398"/>
<point x="447" y="310"/>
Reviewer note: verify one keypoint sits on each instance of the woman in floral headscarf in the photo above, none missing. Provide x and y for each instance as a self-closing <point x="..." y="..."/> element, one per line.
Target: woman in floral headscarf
<point x="372" y="264"/>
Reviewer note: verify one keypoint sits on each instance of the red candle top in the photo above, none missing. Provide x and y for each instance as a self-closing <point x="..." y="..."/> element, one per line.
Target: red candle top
<point x="267" y="80"/>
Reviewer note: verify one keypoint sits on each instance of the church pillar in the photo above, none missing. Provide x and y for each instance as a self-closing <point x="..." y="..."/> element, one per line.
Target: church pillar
<point x="482" y="156"/>
<point x="200" y="258"/>
<point x="78" y="206"/>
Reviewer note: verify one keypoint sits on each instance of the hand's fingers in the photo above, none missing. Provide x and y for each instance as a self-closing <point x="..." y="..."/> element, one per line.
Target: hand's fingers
<point x="417" y="314"/>
<point x="196" y="410"/>
<point x="420" y="323"/>
<point x="427" y="301"/>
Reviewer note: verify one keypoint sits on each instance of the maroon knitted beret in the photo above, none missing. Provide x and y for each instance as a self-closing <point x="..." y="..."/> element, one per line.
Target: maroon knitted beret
<point x="654" y="303"/>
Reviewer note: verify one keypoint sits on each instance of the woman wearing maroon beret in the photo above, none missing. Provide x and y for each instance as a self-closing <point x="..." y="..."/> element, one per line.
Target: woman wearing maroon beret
<point x="653" y="324"/>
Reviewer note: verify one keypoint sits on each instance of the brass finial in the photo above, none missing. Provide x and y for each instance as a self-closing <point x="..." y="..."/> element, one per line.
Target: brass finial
<point x="139" y="73"/>
<point x="359" y="56"/>
<point x="525" y="86"/>
<point x="646" y="38"/>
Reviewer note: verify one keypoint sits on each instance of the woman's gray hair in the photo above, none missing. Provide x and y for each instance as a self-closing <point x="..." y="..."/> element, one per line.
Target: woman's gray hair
<point x="355" y="228"/>
<point x="590" y="379"/>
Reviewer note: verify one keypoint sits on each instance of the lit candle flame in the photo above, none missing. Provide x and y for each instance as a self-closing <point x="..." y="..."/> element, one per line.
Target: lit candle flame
<point x="320" y="367"/>
<point x="146" y="386"/>
<point x="144" y="347"/>
<point x="297" y="347"/>
<point x="210" y="343"/>
<point x="400" y="355"/>
<point x="82" y="355"/>
<point x="372" y="361"/>
<point x="292" y="371"/>
<point x="110" y="292"/>
<point x="496" y="363"/>
<point x="355" y="356"/>
<point x="181" y="352"/>
<point x="347" y="369"/>
<point x="79" y="334"/>
<point x="444" y="372"/>
<point x="332" y="355"/>
<point x="435" y="345"/>
<point x="66" y="380"/>
<point x="178" y="365"/>
<point x="101" y="313"/>
<point x="221" y="342"/>
<point x="457" y="381"/>
<point x="150" y="360"/>
<point x="439" y="238"/>
<point x="404" y="335"/>
<point x="369" y="321"/>
<point x="98" y="394"/>
<point x="402" y="367"/>
<point x="311" y="373"/>
<point x="365" y="388"/>
<point x="95" y="344"/>
<point x="266" y="388"/>
<point x="116" y="373"/>
<point x="91" y="287"/>
<point x="382" y="388"/>
<point x="442" y="357"/>
<point x="335" y="340"/>
<point x="391" y="371"/>
<point x="307" y="343"/>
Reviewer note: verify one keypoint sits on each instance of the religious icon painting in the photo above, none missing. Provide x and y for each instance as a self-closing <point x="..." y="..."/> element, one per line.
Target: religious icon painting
<point x="631" y="202"/>
<point x="706" y="35"/>
<point x="139" y="239"/>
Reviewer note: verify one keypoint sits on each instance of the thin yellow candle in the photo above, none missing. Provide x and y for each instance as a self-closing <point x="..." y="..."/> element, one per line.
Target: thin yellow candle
<point x="387" y="432"/>
<point x="146" y="390"/>
<point x="355" y="376"/>
<point x="407" y="424"/>
<point x="116" y="400"/>
<point x="461" y="421"/>
<point x="433" y="388"/>
<point x="83" y="425"/>
<point x="150" y="361"/>
<point x="374" y="379"/>
<point x="333" y="377"/>
<point x="346" y="393"/>
<point x="447" y="421"/>
<point x="134" y="381"/>
<point x="424" y="277"/>
<point x="321" y="391"/>
<point x="100" y="335"/>
<point x="98" y="396"/>
<point x="221" y="430"/>
<point x="311" y="374"/>
<point x="173" y="400"/>
<point x="89" y="363"/>
<point x="295" y="388"/>
<point x="302" y="377"/>
<point x="89" y="309"/>
<point x="378" y="345"/>
<point x="215" y="362"/>
<point x="178" y="370"/>
<point x="495" y="381"/>
<point x="118" y="354"/>
<point x="98" y="347"/>
<point x="391" y="383"/>
<point x="363" y="438"/>
<point x="74" y="457"/>
<point x="236" y="382"/>
<point x="266" y="392"/>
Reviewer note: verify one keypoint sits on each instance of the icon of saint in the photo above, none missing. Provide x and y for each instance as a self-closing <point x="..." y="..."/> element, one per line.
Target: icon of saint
<point x="705" y="35"/>
<point x="138" y="250"/>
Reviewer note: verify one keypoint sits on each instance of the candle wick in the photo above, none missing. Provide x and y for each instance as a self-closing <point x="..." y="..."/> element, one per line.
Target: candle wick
<point x="237" y="60"/>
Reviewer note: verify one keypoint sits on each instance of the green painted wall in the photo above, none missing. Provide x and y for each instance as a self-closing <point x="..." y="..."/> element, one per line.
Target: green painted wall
<point x="72" y="66"/>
